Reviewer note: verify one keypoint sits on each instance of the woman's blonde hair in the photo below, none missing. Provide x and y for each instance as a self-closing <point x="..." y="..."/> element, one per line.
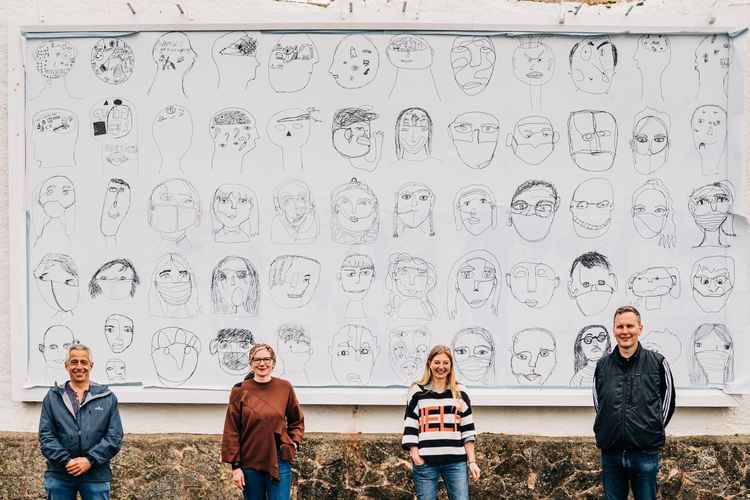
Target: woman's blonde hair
<point x="452" y="382"/>
<point x="260" y="347"/>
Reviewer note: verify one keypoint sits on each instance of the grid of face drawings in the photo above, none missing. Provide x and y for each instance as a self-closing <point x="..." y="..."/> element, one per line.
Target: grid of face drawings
<point x="354" y="199"/>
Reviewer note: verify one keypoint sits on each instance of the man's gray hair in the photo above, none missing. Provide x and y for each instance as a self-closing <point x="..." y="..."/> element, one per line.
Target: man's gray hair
<point x="77" y="346"/>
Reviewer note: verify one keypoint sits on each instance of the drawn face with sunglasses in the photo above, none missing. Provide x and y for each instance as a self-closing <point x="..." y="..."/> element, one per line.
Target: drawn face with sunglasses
<point x="594" y="343"/>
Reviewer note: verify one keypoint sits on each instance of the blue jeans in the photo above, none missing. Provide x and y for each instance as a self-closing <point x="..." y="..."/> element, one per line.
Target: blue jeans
<point x="455" y="476"/>
<point x="260" y="486"/>
<point x="66" y="489"/>
<point x="630" y="469"/>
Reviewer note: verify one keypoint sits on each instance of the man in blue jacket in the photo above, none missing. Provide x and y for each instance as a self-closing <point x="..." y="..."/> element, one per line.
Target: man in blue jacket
<point x="79" y="432"/>
<point x="634" y="398"/>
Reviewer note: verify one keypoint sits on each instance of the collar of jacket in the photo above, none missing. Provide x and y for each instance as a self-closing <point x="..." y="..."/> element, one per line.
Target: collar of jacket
<point x="627" y="361"/>
<point x="96" y="391"/>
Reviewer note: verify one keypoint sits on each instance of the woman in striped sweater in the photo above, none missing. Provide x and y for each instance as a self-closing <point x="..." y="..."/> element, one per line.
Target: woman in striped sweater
<point x="439" y="430"/>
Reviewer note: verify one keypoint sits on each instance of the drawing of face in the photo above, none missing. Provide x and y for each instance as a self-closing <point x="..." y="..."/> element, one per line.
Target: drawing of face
<point x="653" y="53"/>
<point x="409" y="52"/>
<point x="290" y="128"/>
<point x="233" y="131"/>
<point x="593" y="139"/>
<point x="414" y="129"/>
<point x="355" y="209"/>
<point x="414" y="203"/>
<point x="232" y="346"/>
<point x="55" y="344"/>
<point x="473" y="62"/>
<point x="533" y="209"/>
<point x="709" y="125"/>
<point x="591" y="208"/>
<point x="116" y="280"/>
<point x="54" y="135"/>
<point x="713" y="282"/>
<point x="173" y="53"/>
<point x="55" y="58"/>
<point x="713" y="352"/>
<point x="476" y="209"/>
<point x="294" y="346"/>
<point x="57" y="281"/>
<point x="532" y="283"/>
<point x="474" y="352"/>
<point x="591" y="287"/>
<point x="173" y="280"/>
<point x="534" y="356"/>
<point x="475" y="136"/>
<point x="353" y="352"/>
<point x="175" y="352"/>
<point x="594" y="343"/>
<point x="293" y="280"/>
<point x="234" y="280"/>
<point x="712" y="57"/>
<point x="412" y="276"/>
<point x="408" y="346"/>
<point x="476" y="281"/>
<point x="115" y="370"/>
<point x="291" y="64"/>
<point x="118" y="330"/>
<point x="533" y="139"/>
<point x="112" y="60"/>
<point x="355" y="62"/>
<point x="236" y="57"/>
<point x="56" y="196"/>
<point x="115" y="207"/>
<point x="173" y="131"/>
<point x="650" y="212"/>
<point x="533" y="62"/>
<point x="112" y="121"/>
<point x="592" y="65"/>
<point x="352" y="132"/>
<point x="294" y="202"/>
<point x="356" y="275"/>
<point x="649" y="144"/>
<point x="654" y="282"/>
<point x="232" y="205"/>
<point x="711" y="205"/>
<point x="174" y="207"/>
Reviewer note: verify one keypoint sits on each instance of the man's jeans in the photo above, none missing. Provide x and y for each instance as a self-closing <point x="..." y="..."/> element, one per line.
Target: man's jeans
<point x="630" y="469"/>
<point x="260" y="486"/>
<point x="455" y="476"/>
<point x="66" y="489"/>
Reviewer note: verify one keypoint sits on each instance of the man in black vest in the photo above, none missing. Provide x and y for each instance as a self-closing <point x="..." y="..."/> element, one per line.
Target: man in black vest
<point x="634" y="398"/>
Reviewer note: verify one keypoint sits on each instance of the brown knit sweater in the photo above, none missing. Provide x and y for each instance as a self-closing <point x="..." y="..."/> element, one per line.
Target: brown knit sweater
<point x="259" y="418"/>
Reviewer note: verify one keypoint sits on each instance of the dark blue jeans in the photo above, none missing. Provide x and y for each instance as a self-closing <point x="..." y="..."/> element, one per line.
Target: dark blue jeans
<point x="66" y="489"/>
<point x="630" y="469"/>
<point x="260" y="486"/>
<point x="455" y="476"/>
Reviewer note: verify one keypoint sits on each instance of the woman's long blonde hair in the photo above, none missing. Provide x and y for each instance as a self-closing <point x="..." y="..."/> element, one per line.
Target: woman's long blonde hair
<point x="452" y="382"/>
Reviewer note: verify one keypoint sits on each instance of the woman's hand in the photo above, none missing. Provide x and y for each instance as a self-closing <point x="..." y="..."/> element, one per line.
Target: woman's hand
<point x="474" y="472"/>
<point x="415" y="458"/>
<point x="238" y="478"/>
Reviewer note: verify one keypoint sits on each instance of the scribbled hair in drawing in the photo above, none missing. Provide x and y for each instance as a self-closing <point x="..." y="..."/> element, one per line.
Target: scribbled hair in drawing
<point x="579" y="358"/>
<point x="95" y="289"/>
<point x="452" y="379"/>
<point x="342" y="235"/>
<point x="221" y="304"/>
<point x="349" y="116"/>
<point x="411" y="187"/>
<point x="596" y="47"/>
<point x="719" y="187"/>
<point x="231" y="335"/>
<point x="293" y="332"/>
<point x="698" y="375"/>
<point x="66" y="261"/>
<point x="407" y="113"/>
<point x="453" y="288"/>
<point x="465" y="191"/>
<point x="531" y="183"/>
<point x="360" y="261"/>
<point x="224" y="192"/>
<point x="281" y="266"/>
<point x="590" y="260"/>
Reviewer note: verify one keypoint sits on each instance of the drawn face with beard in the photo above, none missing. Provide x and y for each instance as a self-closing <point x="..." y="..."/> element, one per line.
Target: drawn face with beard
<point x="473" y="62"/>
<point x="591" y="283"/>
<point x="533" y="139"/>
<point x="474" y="352"/>
<point x="650" y="143"/>
<point x="57" y="281"/>
<point x="713" y="282"/>
<point x="56" y="196"/>
<point x="475" y="136"/>
<point x="591" y="208"/>
<point x="408" y="346"/>
<point x="534" y="356"/>
<point x="232" y="346"/>
<point x="650" y="211"/>
<point x="477" y="281"/>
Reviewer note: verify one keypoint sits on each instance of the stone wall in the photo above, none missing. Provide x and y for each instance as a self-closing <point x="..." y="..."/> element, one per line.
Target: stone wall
<point x="364" y="466"/>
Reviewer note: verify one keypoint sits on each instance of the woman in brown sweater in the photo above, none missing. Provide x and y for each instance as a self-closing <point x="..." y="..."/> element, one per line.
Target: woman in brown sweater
<point x="262" y="430"/>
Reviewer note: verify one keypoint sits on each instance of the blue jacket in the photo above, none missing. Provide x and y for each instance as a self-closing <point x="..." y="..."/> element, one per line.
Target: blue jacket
<point x="95" y="433"/>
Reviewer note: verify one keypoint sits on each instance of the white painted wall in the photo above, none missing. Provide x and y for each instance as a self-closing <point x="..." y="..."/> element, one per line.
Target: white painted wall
<point x="159" y="418"/>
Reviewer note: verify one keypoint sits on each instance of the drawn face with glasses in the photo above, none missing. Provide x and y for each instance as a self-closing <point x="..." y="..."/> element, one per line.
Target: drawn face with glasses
<point x="533" y="209"/>
<point x="591" y="344"/>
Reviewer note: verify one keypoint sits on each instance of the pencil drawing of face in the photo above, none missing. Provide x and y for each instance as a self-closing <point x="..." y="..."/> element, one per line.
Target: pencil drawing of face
<point x="289" y="130"/>
<point x="712" y="62"/>
<point x="592" y="283"/>
<point x="296" y="219"/>
<point x="57" y="281"/>
<point x="413" y="209"/>
<point x="533" y="208"/>
<point x="534" y="356"/>
<point x="174" y="207"/>
<point x="408" y="347"/>
<point x="591" y="207"/>
<point x="593" y="139"/>
<point x="475" y="209"/>
<point x="533" y="62"/>
<point x="292" y="62"/>
<point x="352" y="132"/>
<point x="234" y="287"/>
<point x="55" y="58"/>
<point x="532" y="283"/>
<point x="115" y="280"/>
<point x="294" y="347"/>
<point x="355" y="217"/>
<point x="112" y="60"/>
<point x="232" y="346"/>
<point x="293" y="280"/>
<point x="115" y="370"/>
<point x="115" y="206"/>
<point x="175" y="352"/>
<point x="475" y="136"/>
<point x="235" y="55"/>
<point x="709" y="125"/>
<point x="413" y="134"/>
<point x="533" y="139"/>
<point x="118" y="330"/>
<point x="235" y="214"/>
<point x="654" y="283"/>
<point x="355" y="62"/>
<point x="234" y="134"/>
<point x="54" y="135"/>
<point x="474" y="280"/>
<point x="353" y="352"/>
<point x="653" y="54"/>
<point x="409" y="52"/>
<point x="711" y="207"/>
<point x="55" y="344"/>
<point x="113" y="121"/>
<point x="592" y="65"/>
<point x="409" y="282"/>
<point x="57" y="200"/>
<point x="713" y="282"/>
<point x="173" y="291"/>
<point x="653" y="212"/>
<point x="665" y="342"/>
<point x="711" y="356"/>
<point x="591" y="343"/>
<point x="473" y="62"/>
<point x="173" y="134"/>
<point x="173" y="57"/>
<point x="474" y="352"/>
<point x="650" y="141"/>
<point x="356" y="275"/>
